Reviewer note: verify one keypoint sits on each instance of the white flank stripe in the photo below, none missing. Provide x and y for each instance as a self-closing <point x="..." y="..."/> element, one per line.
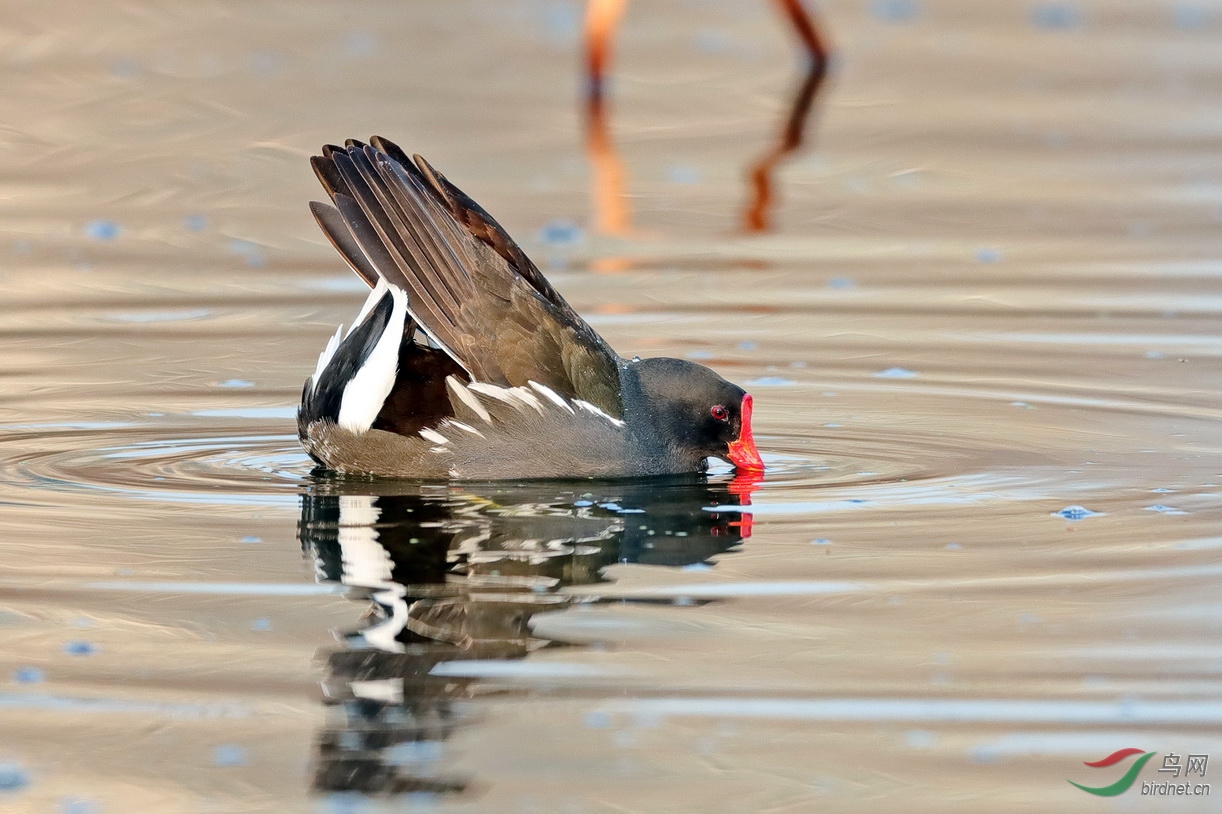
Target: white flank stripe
<point x="435" y="437"/>
<point x="516" y="397"/>
<point x="551" y="395"/>
<point x="527" y="397"/>
<point x="491" y="390"/>
<point x="464" y="395"/>
<point x="585" y="405"/>
<point x="367" y="391"/>
<point x="370" y="302"/>
<point x="462" y="426"/>
<point x="325" y="357"/>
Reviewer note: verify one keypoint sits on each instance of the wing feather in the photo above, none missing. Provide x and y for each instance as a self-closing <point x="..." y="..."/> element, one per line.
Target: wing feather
<point x="469" y="285"/>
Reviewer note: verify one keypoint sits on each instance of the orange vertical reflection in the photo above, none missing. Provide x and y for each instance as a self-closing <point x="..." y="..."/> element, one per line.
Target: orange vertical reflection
<point x="607" y="190"/>
<point x="756" y="215"/>
<point x="608" y="200"/>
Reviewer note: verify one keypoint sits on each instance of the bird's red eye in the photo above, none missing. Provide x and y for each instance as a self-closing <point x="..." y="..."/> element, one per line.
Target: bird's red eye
<point x="718" y="412"/>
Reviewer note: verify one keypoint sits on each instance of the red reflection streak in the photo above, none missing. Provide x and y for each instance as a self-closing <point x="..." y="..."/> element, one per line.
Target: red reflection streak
<point x="742" y="486"/>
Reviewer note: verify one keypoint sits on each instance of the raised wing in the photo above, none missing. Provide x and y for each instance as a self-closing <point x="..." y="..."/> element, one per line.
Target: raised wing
<point x="469" y="286"/>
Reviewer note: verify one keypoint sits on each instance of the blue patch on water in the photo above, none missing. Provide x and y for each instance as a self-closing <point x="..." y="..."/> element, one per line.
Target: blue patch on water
<point x="13" y="777"/>
<point x="235" y="383"/>
<point x="124" y="68"/>
<point x="611" y="507"/>
<point x="895" y="373"/>
<point x="195" y="223"/>
<point x="1161" y="509"/>
<point x="1076" y="513"/>
<point x="1056" y="16"/>
<point x="346" y="802"/>
<point x="1188" y="18"/>
<point x="769" y="381"/>
<point x="261" y="625"/>
<point x="820" y="541"/>
<point x="229" y="755"/>
<point x="953" y="546"/>
<point x="559" y="233"/>
<point x="266" y="63"/>
<point x="682" y="174"/>
<point x="77" y="805"/>
<point x="597" y="720"/>
<point x="250" y="538"/>
<point x="1155" y="354"/>
<point x="988" y="255"/>
<point x="561" y="23"/>
<point x="583" y="503"/>
<point x="29" y="675"/>
<point x="840" y="283"/>
<point x="102" y="230"/>
<point x="248" y="412"/>
<point x="699" y="354"/>
<point x="748" y="345"/>
<point x="895" y="11"/>
<point x="697" y="566"/>
<point x="361" y="43"/>
<point x="248" y="250"/>
<point x="221" y="588"/>
<point x="80" y="648"/>
<point x="411" y="753"/>
<point x="985" y="754"/>
<point x="832" y="425"/>
<point x="712" y="41"/>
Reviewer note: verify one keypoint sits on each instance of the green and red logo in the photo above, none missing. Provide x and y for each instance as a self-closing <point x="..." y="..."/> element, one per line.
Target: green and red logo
<point x="1122" y="785"/>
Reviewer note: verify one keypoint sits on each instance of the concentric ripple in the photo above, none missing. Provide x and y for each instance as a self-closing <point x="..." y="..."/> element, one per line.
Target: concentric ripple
<point x="140" y="462"/>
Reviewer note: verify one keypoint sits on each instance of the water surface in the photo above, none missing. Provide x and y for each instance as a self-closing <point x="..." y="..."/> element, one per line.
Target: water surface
<point x="981" y="332"/>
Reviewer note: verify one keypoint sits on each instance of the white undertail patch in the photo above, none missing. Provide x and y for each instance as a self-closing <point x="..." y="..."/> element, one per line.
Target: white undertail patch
<point x="366" y="392"/>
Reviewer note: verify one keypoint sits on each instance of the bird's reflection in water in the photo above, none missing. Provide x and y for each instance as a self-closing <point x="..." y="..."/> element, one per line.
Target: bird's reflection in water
<point x="457" y="572"/>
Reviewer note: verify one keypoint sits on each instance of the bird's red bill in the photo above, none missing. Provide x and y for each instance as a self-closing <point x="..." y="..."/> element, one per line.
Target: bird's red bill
<point x="743" y="452"/>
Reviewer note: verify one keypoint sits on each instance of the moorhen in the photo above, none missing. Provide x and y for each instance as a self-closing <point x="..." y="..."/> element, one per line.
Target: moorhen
<point x="465" y="363"/>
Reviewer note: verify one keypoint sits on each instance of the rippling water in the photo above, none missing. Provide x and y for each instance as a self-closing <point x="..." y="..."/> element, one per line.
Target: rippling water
<point x="982" y="336"/>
